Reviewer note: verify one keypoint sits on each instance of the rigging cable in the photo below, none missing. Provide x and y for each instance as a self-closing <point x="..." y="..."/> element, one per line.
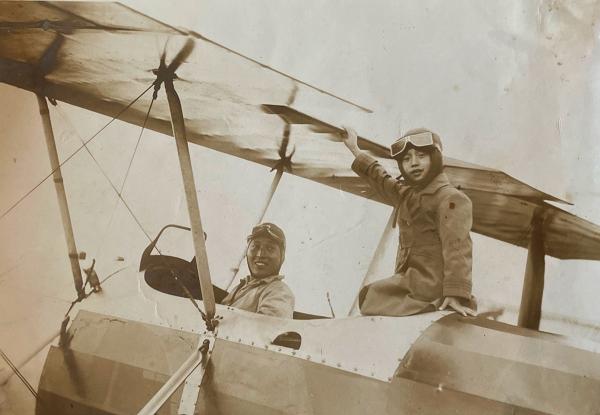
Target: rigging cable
<point x="117" y="192"/>
<point x="156" y="86"/>
<point x="330" y="307"/>
<point x="186" y="290"/>
<point x="20" y="375"/>
<point x="75" y="152"/>
<point x="86" y="295"/>
<point x="98" y="250"/>
<point x="84" y="144"/>
<point x="58" y="333"/>
<point x="187" y="293"/>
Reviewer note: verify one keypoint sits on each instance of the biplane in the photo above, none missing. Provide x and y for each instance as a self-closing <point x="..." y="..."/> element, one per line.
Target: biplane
<point x="110" y="359"/>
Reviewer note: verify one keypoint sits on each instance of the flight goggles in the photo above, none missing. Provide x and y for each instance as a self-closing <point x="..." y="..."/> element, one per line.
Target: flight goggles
<point x="269" y="230"/>
<point x="424" y="139"/>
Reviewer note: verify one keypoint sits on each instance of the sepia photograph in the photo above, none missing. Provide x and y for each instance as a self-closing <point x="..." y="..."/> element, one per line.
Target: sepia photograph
<point x="300" y="207"/>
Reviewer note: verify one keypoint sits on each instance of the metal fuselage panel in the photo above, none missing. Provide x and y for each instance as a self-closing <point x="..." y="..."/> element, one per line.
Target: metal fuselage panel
<point x="525" y="368"/>
<point x="111" y="366"/>
<point x="246" y="380"/>
<point x="411" y="365"/>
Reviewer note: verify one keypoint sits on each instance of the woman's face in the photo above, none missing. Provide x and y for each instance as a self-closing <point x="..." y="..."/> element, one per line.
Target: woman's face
<point x="416" y="164"/>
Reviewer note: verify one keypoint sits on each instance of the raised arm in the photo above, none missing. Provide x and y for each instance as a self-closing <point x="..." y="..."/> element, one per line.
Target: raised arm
<point x="369" y="169"/>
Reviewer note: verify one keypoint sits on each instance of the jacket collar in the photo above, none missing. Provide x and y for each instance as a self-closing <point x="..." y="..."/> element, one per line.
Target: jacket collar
<point x="258" y="281"/>
<point x="439" y="181"/>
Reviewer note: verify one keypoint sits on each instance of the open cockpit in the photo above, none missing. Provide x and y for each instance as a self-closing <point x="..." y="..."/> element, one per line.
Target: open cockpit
<point x="179" y="277"/>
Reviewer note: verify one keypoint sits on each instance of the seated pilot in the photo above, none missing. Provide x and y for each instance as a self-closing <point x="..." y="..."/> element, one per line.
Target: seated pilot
<point x="264" y="291"/>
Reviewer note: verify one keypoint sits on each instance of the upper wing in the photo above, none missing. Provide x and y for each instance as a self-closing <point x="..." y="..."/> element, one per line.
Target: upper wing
<point x="99" y="56"/>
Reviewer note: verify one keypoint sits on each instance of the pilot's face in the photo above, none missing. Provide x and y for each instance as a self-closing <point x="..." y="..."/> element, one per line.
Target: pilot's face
<point x="264" y="257"/>
<point x="416" y="164"/>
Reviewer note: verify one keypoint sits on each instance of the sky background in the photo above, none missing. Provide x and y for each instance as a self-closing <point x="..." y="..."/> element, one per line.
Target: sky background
<point x="508" y="85"/>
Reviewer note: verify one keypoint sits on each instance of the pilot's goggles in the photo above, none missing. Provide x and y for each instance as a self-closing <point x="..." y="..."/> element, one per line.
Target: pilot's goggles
<point x="424" y="139"/>
<point x="269" y="230"/>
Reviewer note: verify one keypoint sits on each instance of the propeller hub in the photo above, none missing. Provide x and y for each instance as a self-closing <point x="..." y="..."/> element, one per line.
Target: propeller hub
<point x="167" y="72"/>
<point x="163" y="74"/>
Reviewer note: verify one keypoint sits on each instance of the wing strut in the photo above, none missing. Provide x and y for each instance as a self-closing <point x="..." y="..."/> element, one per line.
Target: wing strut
<point x="196" y="365"/>
<point x="376" y="261"/>
<point x="185" y="163"/>
<point x="62" y="196"/>
<point x="530" y="311"/>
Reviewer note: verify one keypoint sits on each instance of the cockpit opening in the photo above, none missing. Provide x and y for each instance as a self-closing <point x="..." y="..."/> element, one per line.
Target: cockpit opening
<point x="176" y="276"/>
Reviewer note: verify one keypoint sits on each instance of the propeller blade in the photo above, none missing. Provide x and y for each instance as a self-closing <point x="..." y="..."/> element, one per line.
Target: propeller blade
<point x="182" y="55"/>
<point x="163" y="56"/>
<point x="285" y="141"/>
<point x="292" y="96"/>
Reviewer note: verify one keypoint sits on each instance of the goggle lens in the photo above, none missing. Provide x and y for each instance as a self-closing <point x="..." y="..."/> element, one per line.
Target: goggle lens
<point x="417" y="140"/>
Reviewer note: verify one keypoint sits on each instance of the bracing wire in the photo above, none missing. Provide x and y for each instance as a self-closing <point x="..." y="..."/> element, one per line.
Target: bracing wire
<point x="120" y="197"/>
<point x="86" y="295"/>
<point x="19" y="375"/>
<point x="110" y="182"/>
<point x="120" y="192"/>
<point x="14" y="205"/>
<point x="136" y="145"/>
<point x="71" y="305"/>
<point x="112" y="215"/>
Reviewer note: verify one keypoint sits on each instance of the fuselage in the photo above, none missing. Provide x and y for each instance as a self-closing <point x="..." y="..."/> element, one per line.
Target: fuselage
<point x="431" y="363"/>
